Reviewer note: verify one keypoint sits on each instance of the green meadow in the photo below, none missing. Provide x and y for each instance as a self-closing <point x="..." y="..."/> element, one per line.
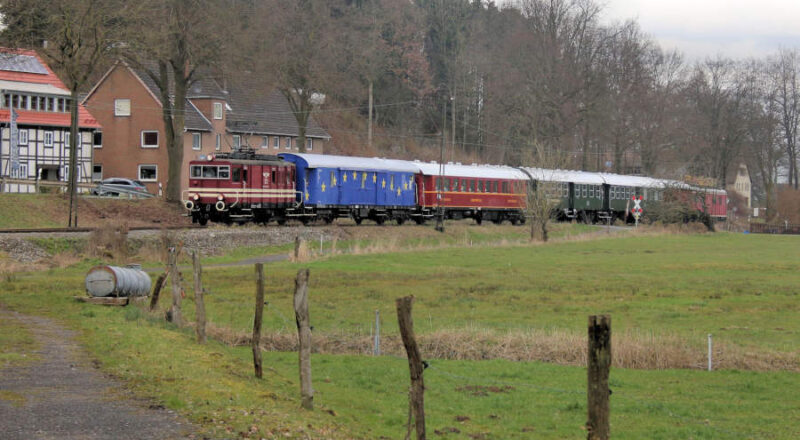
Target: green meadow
<point x="741" y="288"/>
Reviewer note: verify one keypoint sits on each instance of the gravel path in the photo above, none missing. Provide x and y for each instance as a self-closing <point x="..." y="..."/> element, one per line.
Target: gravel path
<point x="61" y="396"/>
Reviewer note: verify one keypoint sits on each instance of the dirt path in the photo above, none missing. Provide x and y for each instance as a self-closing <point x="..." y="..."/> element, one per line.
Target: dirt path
<point x="61" y="396"/>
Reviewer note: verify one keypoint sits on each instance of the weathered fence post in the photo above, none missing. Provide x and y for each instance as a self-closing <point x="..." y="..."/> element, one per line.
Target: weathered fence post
<point x="599" y="358"/>
<point x="376" y="350"/>
<point x="416" y="394"/>
<point x="709" y="352"/>
<point x="297" y="244"/>
<point x="304" y="335"/>
<point x="200" y="307"/>
<point x="175" y="310"/>
<point x="256" y="340"/>
<point x="160" y="282"/>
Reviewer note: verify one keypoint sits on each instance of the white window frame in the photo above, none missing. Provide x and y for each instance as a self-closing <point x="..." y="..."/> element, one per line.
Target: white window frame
<point x="100" y="145"/>
<point x="21" y="172"/>
<point x="119" y="107"/>
<point x="198" y="145"/>
<point x="217" y="110"/>
<point x="310" y="145"/>
<point x="276" y="142"/>
<point x="142" y="138"/>
<point x="101" y="172"/>
<point x="48" y="139"/>
<point x="139" y="172"/>
<point x="66" y="139"/>
<point x="237" y="142"/>
<point x="288" y="143"/>
<point x="264" y="141"/>
<point x="218" y="145"/>
<point x="23" y="136"/>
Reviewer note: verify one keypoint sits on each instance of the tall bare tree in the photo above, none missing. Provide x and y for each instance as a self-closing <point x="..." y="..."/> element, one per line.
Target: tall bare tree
<point x="785" y="73"/>
<point x="173" y="42"/>
<point x="73" y="35"/>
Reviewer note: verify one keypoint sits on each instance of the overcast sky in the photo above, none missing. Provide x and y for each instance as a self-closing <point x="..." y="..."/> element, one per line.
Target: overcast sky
<point x="701" y="28"/>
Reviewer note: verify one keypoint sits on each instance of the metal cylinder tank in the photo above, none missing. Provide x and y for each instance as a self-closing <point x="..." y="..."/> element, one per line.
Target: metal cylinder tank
<point x="118" y="281"/>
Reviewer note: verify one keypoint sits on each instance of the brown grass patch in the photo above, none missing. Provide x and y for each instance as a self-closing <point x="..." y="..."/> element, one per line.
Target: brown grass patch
<point x="631" y="349"/>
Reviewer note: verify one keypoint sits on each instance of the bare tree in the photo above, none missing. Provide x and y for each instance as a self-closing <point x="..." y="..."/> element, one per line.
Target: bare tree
<point x="542" y="195"/>
<point x="73" y="35"/>
<point x="173" y="41"/>
<point x="785" y="69"/>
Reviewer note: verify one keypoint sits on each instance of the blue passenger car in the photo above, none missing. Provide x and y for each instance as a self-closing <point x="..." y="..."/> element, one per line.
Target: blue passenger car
<point x="356" y="187"/>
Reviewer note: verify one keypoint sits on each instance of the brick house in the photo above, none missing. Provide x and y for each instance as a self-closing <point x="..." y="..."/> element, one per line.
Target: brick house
<point x="126" y="103"/>
<point x="39" y="149"/>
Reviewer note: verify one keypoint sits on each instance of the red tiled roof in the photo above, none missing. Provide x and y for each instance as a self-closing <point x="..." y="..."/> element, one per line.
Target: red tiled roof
<point x="25" y="117"/>
<point x="85" y="119"/>
<point x="50" y="78"/>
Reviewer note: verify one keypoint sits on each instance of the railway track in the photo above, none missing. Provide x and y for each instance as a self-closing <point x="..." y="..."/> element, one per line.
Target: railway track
<point x="60" y="230"/>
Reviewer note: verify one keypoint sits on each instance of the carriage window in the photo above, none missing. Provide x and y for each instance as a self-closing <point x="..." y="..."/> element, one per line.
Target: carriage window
<point x="196" y="171"/>
<point x="210" y="172"/>
<point x="224" y="172"/>
<point x="480" y="186"/>
<point x="454" y="184"/>
<point x="463" y="185"/>
<point x="591" y="191"/>
<point x="237" y="174"/>
<point x="505" y="187"/>
<point x="471" y="186"/>
<point x="584" y="191"/>
<point x="438" y="184"/>
<point x="244" y="175"/>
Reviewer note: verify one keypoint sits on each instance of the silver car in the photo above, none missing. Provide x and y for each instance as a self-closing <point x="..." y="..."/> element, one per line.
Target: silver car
<point x="116" y="186"/>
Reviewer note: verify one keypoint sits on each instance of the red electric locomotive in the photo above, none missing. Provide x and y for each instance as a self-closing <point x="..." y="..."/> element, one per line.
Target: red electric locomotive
<point x="240" y="187"/>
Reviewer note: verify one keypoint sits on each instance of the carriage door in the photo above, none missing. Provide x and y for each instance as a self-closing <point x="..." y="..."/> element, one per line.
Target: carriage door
<point x="571" y="201"/>
<point x="606" y="197"/>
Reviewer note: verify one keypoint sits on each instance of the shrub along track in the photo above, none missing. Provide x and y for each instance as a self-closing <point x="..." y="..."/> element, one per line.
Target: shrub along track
<point x="61" y="395"/>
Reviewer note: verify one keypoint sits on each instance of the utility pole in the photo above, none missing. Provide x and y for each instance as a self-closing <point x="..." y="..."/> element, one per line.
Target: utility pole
<point x="440" y="208"/>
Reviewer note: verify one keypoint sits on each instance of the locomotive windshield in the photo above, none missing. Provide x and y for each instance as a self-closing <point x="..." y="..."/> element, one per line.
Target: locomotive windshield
<point x="210" y="172"/>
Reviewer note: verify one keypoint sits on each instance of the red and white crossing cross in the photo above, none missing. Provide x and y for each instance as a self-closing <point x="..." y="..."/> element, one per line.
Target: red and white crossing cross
<point x="637" y="205"/>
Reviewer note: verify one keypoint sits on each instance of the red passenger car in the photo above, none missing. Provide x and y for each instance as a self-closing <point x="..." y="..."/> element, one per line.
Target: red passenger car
<point x="494" y="193"/>
<point x="239" y="187"/>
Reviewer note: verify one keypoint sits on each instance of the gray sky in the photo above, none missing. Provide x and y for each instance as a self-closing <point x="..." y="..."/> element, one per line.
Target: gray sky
<point x="701" y="28"/>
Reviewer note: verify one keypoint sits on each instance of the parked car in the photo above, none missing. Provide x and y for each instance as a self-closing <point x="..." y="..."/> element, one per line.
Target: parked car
<point x="116" y="186"/>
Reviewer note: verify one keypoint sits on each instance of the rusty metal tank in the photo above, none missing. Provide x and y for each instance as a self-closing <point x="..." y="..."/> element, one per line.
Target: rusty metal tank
<point x="117" y="281"/>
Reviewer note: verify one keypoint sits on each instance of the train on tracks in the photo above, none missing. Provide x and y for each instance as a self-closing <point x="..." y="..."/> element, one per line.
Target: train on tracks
<point x="243" y="186"/>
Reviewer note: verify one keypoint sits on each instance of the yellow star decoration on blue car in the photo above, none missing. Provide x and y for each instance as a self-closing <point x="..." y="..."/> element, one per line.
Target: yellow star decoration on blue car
<point x="374" y="177"/>
<point x="405" y="186"/>
<point x="398" y="191"/>
<point x="333" y="181"/>
<point x="383" y="183"/>
<point x="323" y="187"/>
<point x="344" y="177"/>
<point x="306" y="196"/>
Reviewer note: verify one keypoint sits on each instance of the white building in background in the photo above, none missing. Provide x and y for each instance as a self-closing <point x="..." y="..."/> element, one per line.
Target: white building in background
<point x="38" y="146"/>
<point x="742" y="185"/>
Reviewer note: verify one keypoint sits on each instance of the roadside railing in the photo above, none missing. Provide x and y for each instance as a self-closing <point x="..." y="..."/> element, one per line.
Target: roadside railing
<point x="784" y="228"/>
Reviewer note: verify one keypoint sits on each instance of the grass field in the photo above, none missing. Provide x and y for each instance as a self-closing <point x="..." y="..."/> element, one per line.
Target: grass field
<point x="741" y="288"/>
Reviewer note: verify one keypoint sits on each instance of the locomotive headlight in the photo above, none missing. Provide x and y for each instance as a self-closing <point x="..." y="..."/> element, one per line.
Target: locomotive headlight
<point x="210" y="157"/>
<point x="220" y="198"/>
<point x="196" y="197"/>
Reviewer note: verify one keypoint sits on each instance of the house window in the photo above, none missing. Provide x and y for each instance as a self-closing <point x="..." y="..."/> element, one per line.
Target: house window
<point x="264" y="141"/>
<point x="62" y="105"/>
<point x="197" y="141"/>
<point x="21" y="172"/>
<point x="48" y="138"/>
<point x="217" y="110"/>
<point x="23" y="136"/>
<point x="149" y="139"/>
<point x="148" y="173"/>
<point x="237" y="142"/>
<point x="288" y="143"/>
<point x="276" y="142"/>
<point x="66" y="139"/>
<point x="309" y="144"/>
<point x="66" y="174"/>
<point x="97" y="173"/>
<point x="218" y="145"/>
<point x="97" y="139"/>
<point x="24" y="102"/>
<point x="122" y="107"/>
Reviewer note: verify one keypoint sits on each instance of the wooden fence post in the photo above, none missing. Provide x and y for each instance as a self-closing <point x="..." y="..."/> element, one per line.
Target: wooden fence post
<point x="256" y="340"/>
<point x="160" y="282"/>
<point x="417" y="393"/>
<point x="175" y="310"/>
<point x="597" y="426"/>
<point x="304" y="336"/>
<point x="200" y="307"/>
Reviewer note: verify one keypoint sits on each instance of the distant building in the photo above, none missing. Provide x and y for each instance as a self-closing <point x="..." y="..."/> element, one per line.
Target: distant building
<point x="742" y="185"/>
<point x="126" y="102"/>
<point x="40" y="148"/>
